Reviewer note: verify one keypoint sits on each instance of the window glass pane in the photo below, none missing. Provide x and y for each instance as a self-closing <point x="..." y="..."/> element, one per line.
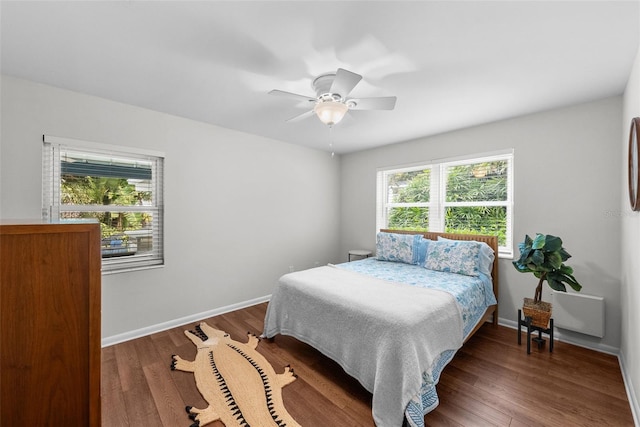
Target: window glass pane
<point x="92" y="190"/>
<point x="408" y="187"/>
<point x="410" y="218"/>
<point x="488" y="220"/>
<point x="123" y="233"/>
<point x="477" y="182"/>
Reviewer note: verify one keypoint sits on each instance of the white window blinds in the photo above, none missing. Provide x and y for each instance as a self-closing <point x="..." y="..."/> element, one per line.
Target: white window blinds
<point x="121" y="188"/>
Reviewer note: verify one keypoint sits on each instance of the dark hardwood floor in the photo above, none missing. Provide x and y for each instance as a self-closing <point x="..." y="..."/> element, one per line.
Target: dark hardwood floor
<point x="490" y="382"/>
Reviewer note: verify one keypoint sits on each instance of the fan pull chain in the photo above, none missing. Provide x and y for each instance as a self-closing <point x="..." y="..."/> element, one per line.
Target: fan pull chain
<point x="330" y="141"/>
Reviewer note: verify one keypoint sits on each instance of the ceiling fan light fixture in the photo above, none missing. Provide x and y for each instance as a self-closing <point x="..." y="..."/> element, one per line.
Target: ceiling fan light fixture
<point x="330" y="112"/>
<point x="331" y="101"/>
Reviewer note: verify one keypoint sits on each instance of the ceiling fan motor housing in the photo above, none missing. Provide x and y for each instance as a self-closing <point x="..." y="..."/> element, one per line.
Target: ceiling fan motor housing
<point x="322" y="84"/>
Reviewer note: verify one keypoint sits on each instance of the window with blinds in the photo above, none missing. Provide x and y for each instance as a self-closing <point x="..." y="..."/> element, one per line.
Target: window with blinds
<point x="470" y="196"/>
<point x="120" y="188"/>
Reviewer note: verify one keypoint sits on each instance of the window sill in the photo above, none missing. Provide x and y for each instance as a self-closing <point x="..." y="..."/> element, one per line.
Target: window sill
<point x="131" y="269"/>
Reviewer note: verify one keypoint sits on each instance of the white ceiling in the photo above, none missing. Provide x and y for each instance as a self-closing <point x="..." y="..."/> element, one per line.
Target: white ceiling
<point x="451" y="64"/>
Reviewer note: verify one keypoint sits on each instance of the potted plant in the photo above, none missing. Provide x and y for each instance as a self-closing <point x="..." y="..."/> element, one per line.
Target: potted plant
<point x="544" y="256"/>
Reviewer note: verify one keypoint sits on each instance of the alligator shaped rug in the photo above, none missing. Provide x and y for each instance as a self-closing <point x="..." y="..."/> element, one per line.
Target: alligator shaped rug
<point x="239" y="384"/>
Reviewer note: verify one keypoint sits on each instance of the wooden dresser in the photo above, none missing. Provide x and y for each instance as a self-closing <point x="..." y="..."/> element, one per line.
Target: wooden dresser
<point x="50" y="324"/>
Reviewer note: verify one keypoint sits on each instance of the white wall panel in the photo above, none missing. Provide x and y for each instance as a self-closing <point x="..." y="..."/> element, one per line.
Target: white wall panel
<point x="578" y="312"/>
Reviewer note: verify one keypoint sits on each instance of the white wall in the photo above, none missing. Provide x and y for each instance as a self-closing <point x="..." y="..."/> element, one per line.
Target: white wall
<point x="567" y="168"/>
<point x="630" y="254"/>
<point x="240" y="209"/>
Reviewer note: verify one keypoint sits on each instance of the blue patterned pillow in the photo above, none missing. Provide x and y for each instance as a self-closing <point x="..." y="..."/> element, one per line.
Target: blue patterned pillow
<point x="421" y="246"/>
<point x="485" y="259"/>
<point x="398" y="247"/>
<point x="451" y="256"/>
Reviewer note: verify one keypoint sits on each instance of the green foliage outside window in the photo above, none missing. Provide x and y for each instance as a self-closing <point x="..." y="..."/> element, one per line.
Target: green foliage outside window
<point x="410" y="218"/>
<point x="409" y="187"/>
<point x="88" y="190"/>
<point x="486" y="220"/>
<point x="477" y="182"/>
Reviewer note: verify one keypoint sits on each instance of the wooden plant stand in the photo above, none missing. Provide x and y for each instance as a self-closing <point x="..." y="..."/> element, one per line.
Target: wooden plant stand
<point x="526" y="321"/>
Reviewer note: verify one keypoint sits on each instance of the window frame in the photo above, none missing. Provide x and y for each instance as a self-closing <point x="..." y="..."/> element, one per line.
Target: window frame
<point x="52" y="205"/>
<point x="438" y="204"/>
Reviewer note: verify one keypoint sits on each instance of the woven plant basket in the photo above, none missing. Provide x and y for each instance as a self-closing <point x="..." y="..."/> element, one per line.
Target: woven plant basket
<point x="539" y="312"/>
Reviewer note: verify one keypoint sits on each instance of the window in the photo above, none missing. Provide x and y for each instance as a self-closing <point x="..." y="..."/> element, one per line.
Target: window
<point x="121" y="189"/>
<point x="473" y="196"/>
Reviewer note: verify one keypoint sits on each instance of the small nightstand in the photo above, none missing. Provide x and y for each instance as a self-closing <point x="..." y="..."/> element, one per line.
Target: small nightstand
<point x="362" y="253"/>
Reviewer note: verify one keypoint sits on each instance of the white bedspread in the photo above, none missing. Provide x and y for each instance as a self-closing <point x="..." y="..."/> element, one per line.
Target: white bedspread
<point x="384" y="334"/>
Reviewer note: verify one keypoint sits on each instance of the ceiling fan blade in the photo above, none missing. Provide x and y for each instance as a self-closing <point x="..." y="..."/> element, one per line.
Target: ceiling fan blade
<point x="283" y="93"/>
<point x="380" y="103"/>
<point x="301" y="116"/>
<point x="344" y="82"/>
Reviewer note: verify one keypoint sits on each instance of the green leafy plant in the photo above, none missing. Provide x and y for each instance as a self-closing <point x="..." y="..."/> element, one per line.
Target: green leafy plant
<point x="544" y="256"/>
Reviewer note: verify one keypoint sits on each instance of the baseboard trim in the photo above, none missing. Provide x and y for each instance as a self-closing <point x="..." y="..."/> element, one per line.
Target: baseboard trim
<point x="557" y="334"/>
<point x="631" y="394"/>
<point x="138" y="333"/>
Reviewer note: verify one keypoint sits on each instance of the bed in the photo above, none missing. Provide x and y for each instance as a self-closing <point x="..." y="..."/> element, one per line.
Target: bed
<point x="393" y="321"/>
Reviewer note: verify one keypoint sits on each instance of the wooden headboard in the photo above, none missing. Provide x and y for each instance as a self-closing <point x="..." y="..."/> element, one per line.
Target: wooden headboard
<point x="492" y="241"/>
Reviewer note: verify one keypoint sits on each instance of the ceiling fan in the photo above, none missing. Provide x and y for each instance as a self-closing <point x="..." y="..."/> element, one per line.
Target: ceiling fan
<point x="330" y="103"/>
